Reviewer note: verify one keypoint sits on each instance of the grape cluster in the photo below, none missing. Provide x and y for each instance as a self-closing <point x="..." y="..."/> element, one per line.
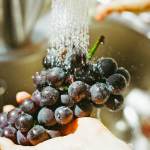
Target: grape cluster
<point x="64" y="91"/>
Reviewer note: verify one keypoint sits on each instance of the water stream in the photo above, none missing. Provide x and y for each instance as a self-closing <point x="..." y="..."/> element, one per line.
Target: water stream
<point x="69" y="25"/>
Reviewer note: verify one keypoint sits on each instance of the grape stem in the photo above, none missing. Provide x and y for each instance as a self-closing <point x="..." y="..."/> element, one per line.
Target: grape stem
<point x="92" y="51"/>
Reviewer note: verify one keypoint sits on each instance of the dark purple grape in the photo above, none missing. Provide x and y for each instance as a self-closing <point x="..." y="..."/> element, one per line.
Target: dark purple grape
<point x="54" y="133"/>
<point x="107" y="66"/>
<point x="36" y="97"/>
<point x="63" y="115"/>
<point x="1" y="132"/>
<point x="56" y="76"/>
<point x="88" y="74"/>
<point x="39" y="79"/>
<point x="78" y="91"/>
<point x="114" y="102"/>
<point x="49" y="96"/>
<point x="29" y="106"/>
<point x="22" y="138"/>
<point x="13" y="115"/>
<point x="47" y="62"/>
<point x="125" y="73"/>
<point x="74" y="60"/>
<point x="3" y="120"/>
<point x="83" y="109"/>
<point x="66" y="100"/>
<point x="24" y="123"/>
<point x="99" y="93"/>
<point x="46" y="117"/>
<point x="37" y="135"/>
<point x="10" y="132"/>
<point x="116" y="83"/>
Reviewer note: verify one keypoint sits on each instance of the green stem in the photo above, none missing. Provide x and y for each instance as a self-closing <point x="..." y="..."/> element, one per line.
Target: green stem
<point x="92" y="51"/>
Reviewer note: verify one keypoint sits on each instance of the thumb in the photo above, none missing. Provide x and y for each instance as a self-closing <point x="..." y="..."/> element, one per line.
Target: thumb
<point x="87" y="133"/>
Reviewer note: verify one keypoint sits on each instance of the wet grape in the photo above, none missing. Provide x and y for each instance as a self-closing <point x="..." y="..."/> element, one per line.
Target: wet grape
<point x="49" y="96"/>
<point x="99" y="93"/>
<point x="125" y="73"/>
<point x="36" y="97"/>
<point x="78" y="91"/>
<point x="10" y="133"/>
<point x="116" y="83"/>
<point x="107" y="66"/>
<point x="29" y="106"/>
<point x="37" y="135"/>
<point x="13" y="115"/>
<point x="66" y="100"/>
<point x="63" y="115"/>
<point x="83" y="109"/>
<point x="39" y="79"/>
<point x="24" y="123"/>
<point x="114" y="102"/>
<point x="56" y="76"/>
<point x="22" y="138"/>
<point x="46" y="117"/>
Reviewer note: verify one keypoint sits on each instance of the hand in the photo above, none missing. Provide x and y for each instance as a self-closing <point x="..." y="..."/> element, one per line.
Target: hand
<point x="122" y="5"/>
<point x="90" y="134"/>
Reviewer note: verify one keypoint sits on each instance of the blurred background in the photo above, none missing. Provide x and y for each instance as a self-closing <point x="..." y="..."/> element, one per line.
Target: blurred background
<point x="24" y="33"/>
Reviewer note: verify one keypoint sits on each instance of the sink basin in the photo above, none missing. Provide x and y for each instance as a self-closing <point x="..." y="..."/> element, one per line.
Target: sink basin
<point x="129" y="48"/>
<point x="132" y="50"/>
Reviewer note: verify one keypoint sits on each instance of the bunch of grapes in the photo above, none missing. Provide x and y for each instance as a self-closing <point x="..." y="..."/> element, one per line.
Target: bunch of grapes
<point x="66" y="89"/>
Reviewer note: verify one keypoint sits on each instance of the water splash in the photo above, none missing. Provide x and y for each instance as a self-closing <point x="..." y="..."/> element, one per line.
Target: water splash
<point x="69" y="25"/>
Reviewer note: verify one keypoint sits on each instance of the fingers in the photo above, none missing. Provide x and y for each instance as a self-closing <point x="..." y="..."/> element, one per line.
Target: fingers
<point x="8" y="108"/>
<point x="21" y="96"/>
<point x="89" y="134"/>
<point x="6" y="144"/>
<point x="122" y="5"/>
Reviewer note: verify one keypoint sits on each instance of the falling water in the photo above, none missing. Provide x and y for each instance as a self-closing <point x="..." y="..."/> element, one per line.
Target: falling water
<point x="69" y="25"/>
